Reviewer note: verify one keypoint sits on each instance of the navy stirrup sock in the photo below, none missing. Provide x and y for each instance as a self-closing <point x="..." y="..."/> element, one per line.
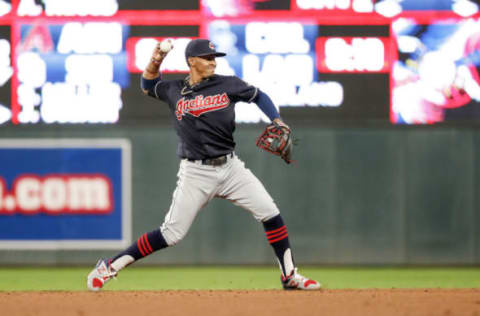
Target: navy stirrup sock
<point x="277" y="236"/>
<point x="145" y="245"/>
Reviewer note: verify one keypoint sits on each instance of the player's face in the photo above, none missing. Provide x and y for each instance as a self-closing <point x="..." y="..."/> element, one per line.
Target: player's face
<point x="205" y="65"/>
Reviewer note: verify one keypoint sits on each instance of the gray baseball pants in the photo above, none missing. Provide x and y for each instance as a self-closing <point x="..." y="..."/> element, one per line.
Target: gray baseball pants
<point x="198" y="184"/>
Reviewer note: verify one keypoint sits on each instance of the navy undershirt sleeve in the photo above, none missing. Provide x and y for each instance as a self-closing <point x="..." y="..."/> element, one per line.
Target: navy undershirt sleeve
<point x="266" y="105"/>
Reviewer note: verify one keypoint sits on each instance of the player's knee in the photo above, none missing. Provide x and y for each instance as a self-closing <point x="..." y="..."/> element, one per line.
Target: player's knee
<point x="172" y="240"/>
<point x="172" y="236"/>
<point x="270" y="215"/>
<point x="266" y="212"/>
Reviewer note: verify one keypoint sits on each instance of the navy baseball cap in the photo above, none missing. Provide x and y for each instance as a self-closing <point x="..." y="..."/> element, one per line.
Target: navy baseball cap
<point x="201" y="47"/>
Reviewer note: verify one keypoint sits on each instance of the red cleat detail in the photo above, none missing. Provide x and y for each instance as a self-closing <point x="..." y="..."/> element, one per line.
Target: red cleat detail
<point x="296" y="281"/>
<point x="97" y="283"/>
<point x="309" y="282"/>
<point x="101" y="274"/>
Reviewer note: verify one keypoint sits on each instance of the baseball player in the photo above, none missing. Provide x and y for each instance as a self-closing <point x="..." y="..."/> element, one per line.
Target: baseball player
<point x="203" y="114"/>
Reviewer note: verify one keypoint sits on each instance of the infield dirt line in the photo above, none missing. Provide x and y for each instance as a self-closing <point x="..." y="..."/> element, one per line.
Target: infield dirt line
<point x="389" y="302"/>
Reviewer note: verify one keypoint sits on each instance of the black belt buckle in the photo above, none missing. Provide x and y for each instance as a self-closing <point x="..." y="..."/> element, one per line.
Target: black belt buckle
<point x="215" y="161"/>
<point x="219" y="161"/>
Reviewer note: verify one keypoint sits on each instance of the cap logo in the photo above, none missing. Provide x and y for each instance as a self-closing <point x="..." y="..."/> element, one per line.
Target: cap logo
<point x="210" y="44"/>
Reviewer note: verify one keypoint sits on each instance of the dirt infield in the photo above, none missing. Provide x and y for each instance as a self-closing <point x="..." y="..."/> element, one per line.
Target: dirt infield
<point x="433" y="302"/>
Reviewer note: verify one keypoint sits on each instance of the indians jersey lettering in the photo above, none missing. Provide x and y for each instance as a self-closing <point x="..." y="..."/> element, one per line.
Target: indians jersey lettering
<point x="201" y="104"/>
<point x="203" y="115"/>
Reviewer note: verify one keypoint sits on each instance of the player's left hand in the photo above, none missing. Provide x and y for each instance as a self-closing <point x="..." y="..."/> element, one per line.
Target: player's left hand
<point x="277" y="139"/>
<point x="279" y="122"/>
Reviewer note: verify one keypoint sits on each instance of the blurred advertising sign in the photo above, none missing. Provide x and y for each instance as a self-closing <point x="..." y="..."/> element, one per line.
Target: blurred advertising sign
<point x="353" y="54"/>
<point x="277" y="57"/>
<point x="71" y="72"/>
<point x="65" y="193"/>
<point x="386" y="8"/>
<point x="6" y="72"/>
<point x="352" y="6"/>
<point x="436" y="76"/>
<point x="340" y="61"/>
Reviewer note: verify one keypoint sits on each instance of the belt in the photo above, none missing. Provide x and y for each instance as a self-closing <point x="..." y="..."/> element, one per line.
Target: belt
<point x="218" y="161"/>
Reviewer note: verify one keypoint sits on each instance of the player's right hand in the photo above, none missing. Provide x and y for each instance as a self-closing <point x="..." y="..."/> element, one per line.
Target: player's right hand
<point x="158" y="55"/>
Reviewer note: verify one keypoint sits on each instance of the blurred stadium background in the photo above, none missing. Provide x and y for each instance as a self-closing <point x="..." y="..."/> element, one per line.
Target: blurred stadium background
<point x="383" y="94"/>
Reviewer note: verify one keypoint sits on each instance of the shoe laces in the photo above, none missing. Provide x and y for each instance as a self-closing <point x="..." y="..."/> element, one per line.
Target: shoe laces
<point x="108" y="272"/>
<point x="112" y="274"/>
<point x="294" y="276"/>
<point x="297" y="276"/>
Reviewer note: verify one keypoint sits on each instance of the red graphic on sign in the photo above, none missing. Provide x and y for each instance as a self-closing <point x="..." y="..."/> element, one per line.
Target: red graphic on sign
<point x="57" y="194"/>
<point x="39" y="38"/>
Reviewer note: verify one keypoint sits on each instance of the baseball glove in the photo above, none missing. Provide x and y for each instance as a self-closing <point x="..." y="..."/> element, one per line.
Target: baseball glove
<point x="277" y="139"/>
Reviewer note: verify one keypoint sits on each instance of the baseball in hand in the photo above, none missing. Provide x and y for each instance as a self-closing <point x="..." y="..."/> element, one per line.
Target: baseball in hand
<point x="166" y="45"/>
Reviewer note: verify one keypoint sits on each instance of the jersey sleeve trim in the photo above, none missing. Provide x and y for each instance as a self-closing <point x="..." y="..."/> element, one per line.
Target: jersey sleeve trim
<point x="254" y="95"/>
<point x="155" y="89"/>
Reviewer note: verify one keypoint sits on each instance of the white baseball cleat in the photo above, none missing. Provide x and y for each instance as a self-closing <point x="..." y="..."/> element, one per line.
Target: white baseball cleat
<point x="296" y="281"/>
<point x="101" y="274"/>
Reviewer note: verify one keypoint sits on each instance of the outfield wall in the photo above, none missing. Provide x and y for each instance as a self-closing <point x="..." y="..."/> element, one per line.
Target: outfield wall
<point x="355" y="196"/>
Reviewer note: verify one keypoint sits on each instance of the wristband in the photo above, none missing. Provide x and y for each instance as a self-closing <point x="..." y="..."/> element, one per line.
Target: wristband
<point x="148" y="84"/>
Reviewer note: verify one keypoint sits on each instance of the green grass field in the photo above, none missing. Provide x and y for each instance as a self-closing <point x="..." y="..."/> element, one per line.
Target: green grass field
<point x="213" y="278"/>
